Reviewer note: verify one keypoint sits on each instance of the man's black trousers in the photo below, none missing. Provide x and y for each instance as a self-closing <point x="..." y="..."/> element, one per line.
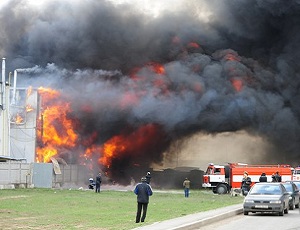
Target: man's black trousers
<point x="140" y="207"/>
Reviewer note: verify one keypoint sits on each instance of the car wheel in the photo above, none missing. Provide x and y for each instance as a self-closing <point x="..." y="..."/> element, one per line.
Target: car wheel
<point x="281" y="213"/>
<point x="246" y="213"/>
<point x="292" y="205"/>
<point x="286" y="211"/>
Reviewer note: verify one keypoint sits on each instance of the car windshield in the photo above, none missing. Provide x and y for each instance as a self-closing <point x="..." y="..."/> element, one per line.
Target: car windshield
<point x="298" y="184"/>
<point x="288" y="187"/>
<point x="266" y="189"/>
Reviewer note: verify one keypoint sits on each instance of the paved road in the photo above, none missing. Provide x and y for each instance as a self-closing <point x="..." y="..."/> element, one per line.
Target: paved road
<point x="195" y="221"/>
<point x="258" y="221"/>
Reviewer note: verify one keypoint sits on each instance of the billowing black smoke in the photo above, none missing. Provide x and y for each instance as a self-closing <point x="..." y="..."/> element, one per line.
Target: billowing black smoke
<point x="243" y="75"/>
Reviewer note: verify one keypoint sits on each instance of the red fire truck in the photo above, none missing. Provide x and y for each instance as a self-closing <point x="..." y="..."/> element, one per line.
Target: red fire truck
<point x="222" y="178"/>
<point x="296" y="173"/>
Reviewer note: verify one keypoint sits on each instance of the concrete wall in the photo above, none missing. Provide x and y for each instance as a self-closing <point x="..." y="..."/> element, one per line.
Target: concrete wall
<point x="41" y="175"/>
<point x="15" y="173"/>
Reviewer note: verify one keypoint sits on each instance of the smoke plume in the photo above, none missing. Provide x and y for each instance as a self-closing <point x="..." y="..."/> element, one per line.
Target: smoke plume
<point x="195" y="66"/>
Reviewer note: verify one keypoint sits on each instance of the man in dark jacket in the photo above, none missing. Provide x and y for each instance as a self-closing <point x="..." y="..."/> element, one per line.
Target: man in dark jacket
<point x="246" y="184"/>
<point x="98" y="182"/>
<point x="276" y="177"/>
<point x="143" y="191"/>
<point x="263" y="178"/>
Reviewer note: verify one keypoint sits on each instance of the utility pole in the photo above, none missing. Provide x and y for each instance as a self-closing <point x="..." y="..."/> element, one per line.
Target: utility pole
<point x="4" y="115"/>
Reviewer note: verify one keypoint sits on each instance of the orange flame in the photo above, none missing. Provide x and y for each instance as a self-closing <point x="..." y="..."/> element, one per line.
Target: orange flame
<point x="237" y="84"/>
<point x="29" y="108"/>
<point x="157" y="68"/>
<point x="56" y="130"/>
<point x="232" y="57"/>
<point x="19" y="119"/>
<point x="29" y="91"/>
<point x="128" y="144"/>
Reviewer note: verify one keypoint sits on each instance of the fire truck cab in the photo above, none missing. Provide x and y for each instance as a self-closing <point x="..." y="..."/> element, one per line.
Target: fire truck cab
<point x="296" y="173"/>
<point x="222" y="178"/>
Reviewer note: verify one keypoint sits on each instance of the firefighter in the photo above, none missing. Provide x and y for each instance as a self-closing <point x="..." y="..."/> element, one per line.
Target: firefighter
<point x="148" y="177"/>
<point x="263" y="178"/>
<point x="92" y="183"/>
<point x="210" y="169"/>
<point x="276" y="177"/>
<point x="246" y="183"/>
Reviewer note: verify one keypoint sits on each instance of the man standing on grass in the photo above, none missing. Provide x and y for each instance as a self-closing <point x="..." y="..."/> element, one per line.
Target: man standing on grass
<point x="143" y="191"/>
<point x="98" y="182"/>
<point x="186" y="186"/>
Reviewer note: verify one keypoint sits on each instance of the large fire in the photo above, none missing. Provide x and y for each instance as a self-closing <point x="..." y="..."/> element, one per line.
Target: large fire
<point x="59" y="130"/>
<point x="57" y="135"/>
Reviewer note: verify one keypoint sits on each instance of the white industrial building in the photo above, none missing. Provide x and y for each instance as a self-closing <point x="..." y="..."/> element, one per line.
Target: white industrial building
<point x="19" y="111"/>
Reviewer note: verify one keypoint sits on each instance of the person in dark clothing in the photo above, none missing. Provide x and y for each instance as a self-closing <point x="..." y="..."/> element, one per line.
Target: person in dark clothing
<point x="148" y="177"/>
<point x="98" y="182"/>
<point x="246" y="184"/>
<point x="263" y="178"/>
<point x="92" y="183"/>
<point x="143" y="191"/>
<point x="276" y="177"/>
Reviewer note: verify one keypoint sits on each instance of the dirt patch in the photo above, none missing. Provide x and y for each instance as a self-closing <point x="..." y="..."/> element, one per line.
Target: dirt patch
<point x="5" y="211"/>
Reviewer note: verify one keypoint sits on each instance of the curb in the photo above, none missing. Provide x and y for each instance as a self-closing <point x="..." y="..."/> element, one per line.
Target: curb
<point x="195" y="221"/>
<point x="208" y="220"/>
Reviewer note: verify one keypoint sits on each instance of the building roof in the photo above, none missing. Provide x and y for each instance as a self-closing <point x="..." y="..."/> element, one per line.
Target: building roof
<point x="7" y="158"/>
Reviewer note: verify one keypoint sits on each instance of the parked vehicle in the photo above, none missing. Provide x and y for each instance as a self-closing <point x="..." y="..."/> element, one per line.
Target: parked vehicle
<point x="297" y="183"/>
<point x="267" y="197"/>
<point x="293" y="190"/>
<point x="222" y="178"/>
<point x="296" y="173"/>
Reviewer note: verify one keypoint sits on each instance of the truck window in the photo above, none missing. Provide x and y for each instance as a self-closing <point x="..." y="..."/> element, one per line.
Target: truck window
<point x="217" y="170"/>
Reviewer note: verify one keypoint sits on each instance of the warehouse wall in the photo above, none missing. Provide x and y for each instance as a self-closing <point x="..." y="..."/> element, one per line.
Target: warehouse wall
<point x="41" y="175"/>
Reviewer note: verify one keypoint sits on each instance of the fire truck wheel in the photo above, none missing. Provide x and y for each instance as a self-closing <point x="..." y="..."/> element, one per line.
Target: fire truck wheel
<point x="222" y="189"/>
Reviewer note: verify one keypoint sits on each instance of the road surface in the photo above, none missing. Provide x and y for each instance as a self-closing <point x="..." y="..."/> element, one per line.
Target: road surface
<point x="253" y="221"/>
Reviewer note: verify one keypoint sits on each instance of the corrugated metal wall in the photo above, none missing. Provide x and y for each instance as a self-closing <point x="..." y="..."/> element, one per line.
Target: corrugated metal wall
<point x="42" y="175"/>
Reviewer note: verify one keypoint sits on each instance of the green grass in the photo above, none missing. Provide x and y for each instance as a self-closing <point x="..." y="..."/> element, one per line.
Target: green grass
<point x="85" y="209"/>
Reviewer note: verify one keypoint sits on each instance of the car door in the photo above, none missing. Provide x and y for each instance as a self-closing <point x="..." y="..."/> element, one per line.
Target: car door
<point x="286" y="196"/>
<point x="297" y="195"/>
